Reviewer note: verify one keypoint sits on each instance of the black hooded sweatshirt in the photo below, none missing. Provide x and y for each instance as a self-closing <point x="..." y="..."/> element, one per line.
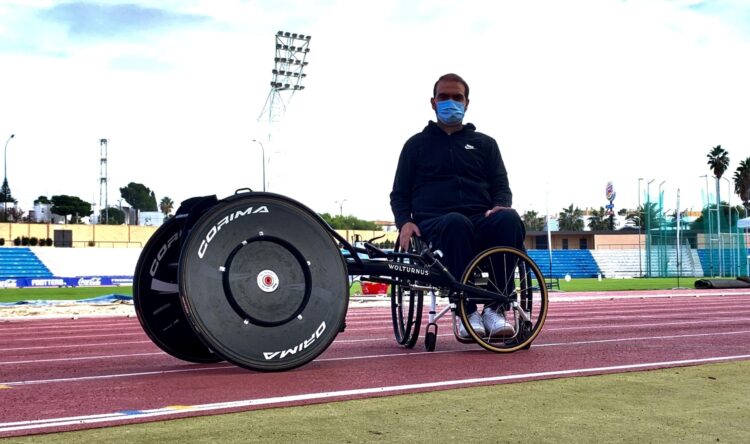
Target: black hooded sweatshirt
<point x="440" y="173"/>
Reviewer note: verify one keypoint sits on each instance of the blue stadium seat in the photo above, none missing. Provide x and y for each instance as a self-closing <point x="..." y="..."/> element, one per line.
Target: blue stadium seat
<point x="576" y="263"/>
<point x="21" y="262"/>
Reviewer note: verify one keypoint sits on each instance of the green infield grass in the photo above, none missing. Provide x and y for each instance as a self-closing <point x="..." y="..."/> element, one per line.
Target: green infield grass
<point x="594" y="284"/>
<point x="705" y="403"/>
<point x="67" y="293"/>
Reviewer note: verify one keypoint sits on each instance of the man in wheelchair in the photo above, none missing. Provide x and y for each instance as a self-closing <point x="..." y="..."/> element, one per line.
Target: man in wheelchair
<point x="451" y="189"/>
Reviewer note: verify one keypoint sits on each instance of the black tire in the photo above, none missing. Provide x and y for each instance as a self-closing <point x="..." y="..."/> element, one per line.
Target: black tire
<point x="510" y="272"/>
<point x="430" y="340"/>
<point x="157" y="301"/>
<point x="406" y="306"/>
<point x="263" y="283"/>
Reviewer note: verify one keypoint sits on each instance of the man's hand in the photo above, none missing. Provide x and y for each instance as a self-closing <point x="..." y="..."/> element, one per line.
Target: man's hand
<point x="407" y="230"/>
<point x="495" y="209"/>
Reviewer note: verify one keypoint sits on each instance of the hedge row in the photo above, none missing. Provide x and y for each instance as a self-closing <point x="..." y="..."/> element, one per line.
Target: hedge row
<point x="29" y="242"/>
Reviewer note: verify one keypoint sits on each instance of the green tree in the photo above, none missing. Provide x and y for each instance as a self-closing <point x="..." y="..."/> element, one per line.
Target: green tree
<point x="64" y="205"/>
<point x="348" y="222"/>
<point x="728" y="216"/>
<point x="533" y="221"/>
<point x="42" y="200"/>
<point x="718" y="160"/>
<point x="742" y="182"/>
<point x="636" y="217"/>
<point x="139" y="197"/>
<point x="166" y="205"/>
<point x="599" y="220"/>
<point x="570" y="219"/>
<point x="116" y="216"/>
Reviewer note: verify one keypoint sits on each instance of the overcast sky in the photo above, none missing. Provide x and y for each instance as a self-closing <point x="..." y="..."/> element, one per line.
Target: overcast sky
<point x="577" y="93"/>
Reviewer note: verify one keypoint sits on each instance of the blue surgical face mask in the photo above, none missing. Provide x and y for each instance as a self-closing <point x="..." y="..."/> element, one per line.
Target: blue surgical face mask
<point x="450" y="112"/>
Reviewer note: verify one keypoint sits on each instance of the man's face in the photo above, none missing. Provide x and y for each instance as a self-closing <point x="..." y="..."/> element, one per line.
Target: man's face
<point x="450" y="89"/>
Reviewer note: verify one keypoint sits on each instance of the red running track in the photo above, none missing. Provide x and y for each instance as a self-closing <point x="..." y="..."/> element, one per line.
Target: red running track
<point x="64" y="374"/>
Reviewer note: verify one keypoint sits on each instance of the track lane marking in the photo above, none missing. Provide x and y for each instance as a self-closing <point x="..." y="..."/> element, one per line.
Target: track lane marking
<point x="81" y="358"/>
<point x="167" y="411"/>
<point x="384" y="355"/>
<point x="119" y="375"/>
<point x="105" y="344"/>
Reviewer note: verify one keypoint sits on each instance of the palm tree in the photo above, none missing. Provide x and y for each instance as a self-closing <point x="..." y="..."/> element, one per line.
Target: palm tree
<point x="570" y="219"/>
<point x="165" y="206"/>
<point x="533" y="221"/>
<point x="742" y="182"/>
<point x="718" y="160"/>
<point x="599" y="220"/>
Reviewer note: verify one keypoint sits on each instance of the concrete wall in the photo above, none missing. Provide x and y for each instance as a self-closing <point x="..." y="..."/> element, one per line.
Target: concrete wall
<point x="109" y="236"/>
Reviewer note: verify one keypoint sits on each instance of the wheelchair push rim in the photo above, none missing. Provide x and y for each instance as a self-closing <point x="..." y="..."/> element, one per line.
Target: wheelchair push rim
<point x="512" y="273"/>
<point x="406" y="305"/>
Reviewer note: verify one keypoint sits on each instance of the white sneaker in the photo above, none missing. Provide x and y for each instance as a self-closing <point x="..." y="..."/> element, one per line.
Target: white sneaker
<point x="475" y="319"/>
<point x="495" y="323"/>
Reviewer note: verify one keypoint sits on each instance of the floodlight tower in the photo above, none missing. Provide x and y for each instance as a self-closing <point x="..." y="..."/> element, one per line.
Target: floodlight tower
<point x="103" y="179"/>
<point x="287" y="77"/>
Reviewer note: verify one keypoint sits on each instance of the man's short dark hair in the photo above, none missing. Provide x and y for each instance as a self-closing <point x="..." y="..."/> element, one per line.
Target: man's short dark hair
<point x="451" y="77"/>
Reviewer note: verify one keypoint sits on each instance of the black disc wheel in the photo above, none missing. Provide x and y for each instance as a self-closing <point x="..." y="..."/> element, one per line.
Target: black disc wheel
<point x="156" y="297"/>
<point x="262" y="282"/>
<point x="406" y="304"/>
<point x="513" y="274"/>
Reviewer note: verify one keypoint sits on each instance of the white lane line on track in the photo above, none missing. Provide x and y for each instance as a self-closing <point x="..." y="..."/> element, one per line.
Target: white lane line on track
<point x="82" y="358"/>
<point x="547" y="324"/>
<point x="61" y="332"/>
<point x="51" y="338"/>
<point x="388" y="355"/>
<point x="67" y="325"/>
<point x="176" y="410"/>
<point x="377" y="326"/>
<point x="97" y="344"/>
<point x="549" y="344"/>
<point x="120" y="375"/>
<point x="357" y="341"/>
<point x="634" y="339"/>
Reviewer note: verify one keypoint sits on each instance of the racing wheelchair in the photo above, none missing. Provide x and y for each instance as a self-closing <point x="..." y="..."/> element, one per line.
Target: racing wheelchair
<point x="260" y="280"/>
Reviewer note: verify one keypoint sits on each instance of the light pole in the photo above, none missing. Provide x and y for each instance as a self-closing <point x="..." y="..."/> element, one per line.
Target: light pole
<point x="648" y="227"/>
<point x="710" y="232"/>
<point x="6" y="187"/>
<point x="341" y="207"/>
<point x="663" y="260"/>
<point x="731" y="226"/>
<point x="263" y="152"/>
<point x="640" y="222"/>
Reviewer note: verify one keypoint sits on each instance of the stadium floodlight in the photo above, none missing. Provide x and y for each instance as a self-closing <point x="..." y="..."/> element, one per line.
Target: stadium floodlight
<point x="290" y="60"/>
<point x="287" y="75"/>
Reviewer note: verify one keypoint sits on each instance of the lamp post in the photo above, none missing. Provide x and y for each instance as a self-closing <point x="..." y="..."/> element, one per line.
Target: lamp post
<point x="710" y="231"/>
<point x="731" y="226"/>
<point x="6" y="187"/>
<point x="263" y="152"/>
<point x="663" y="260"/>
<point x="341" y="207"/>
<point x="640" y="222"/>
<point x="648" y="227"/>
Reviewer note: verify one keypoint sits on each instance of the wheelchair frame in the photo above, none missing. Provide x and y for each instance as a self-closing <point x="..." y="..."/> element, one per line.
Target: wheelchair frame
<point x="260" y="280"/>
<point x="425" y="268"/>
